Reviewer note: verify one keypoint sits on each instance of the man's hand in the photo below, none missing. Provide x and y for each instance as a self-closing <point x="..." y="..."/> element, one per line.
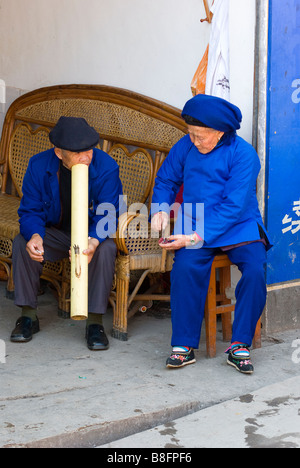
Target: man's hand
<point x="93" y="244"/>
<point x="159" y="221"/>
<point x="35" y="248"/>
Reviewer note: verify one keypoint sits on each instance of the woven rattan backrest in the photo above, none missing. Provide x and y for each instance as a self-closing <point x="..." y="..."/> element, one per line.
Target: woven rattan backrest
<point x="25" y="143"/>
<point x="113" y="121"/>
<point x="120" y="117"/>
<point x="136" y="171"/>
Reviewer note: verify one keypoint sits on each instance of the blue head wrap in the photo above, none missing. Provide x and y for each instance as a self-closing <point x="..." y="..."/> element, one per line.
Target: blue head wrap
<point x="213" y="112"/>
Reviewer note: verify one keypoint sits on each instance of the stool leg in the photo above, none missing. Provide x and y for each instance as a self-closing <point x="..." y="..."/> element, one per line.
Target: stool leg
<point x="256" y="343"/>
<point x="210" y="316"/>
<point x="226" y="326"/>
<point x="225" y="282"/>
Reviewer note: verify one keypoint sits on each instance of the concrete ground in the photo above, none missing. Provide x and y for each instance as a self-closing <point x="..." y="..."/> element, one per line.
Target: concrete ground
<point x="56" y="393"/>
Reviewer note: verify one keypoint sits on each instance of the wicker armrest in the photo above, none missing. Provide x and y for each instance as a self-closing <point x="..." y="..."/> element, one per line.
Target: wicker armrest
<point x="134" y="235"/>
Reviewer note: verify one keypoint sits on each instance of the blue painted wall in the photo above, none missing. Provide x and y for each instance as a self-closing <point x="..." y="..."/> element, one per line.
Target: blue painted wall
<point x="283" y="141"/>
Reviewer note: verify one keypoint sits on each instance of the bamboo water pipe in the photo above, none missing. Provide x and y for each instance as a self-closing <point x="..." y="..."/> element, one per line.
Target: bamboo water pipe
<point x="79" y="242"/>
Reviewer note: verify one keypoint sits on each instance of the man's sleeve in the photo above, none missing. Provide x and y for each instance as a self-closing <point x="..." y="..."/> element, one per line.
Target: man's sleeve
<point x="31" y="212"/>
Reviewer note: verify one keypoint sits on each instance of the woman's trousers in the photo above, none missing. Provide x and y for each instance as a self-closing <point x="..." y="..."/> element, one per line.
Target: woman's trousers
<point x="189" y="285"/>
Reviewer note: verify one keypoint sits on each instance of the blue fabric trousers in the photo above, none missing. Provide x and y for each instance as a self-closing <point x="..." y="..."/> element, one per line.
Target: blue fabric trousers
<point x="189" y="285"/>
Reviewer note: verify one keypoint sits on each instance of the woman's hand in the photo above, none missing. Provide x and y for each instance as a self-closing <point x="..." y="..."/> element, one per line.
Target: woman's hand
<point x="178" y="241"/>
<point x="159" y="221"/>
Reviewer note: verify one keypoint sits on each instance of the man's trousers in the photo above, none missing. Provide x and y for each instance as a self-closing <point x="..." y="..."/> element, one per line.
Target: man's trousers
<point x="27" y="272"/>
<point x="189" y="285"/>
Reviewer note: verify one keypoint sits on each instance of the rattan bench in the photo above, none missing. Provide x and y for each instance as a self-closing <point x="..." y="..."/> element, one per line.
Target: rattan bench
<point x="137" y="132"/>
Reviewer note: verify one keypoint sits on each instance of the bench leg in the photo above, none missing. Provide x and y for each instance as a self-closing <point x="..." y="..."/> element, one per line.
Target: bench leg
<point x="10" y="289"/>
<point x="119" y="330"/>
<point x="64" y="300"/>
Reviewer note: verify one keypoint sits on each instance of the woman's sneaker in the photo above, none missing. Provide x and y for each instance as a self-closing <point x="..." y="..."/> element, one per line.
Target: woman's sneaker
<point x="239" y="357"/>
<point x="180" y="358"/>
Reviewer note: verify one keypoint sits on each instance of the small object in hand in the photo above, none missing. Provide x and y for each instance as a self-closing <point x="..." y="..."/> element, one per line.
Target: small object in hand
<point x="164" y="240"/>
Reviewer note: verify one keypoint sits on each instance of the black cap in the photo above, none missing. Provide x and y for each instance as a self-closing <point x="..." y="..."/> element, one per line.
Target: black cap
<point x="74" y="134"/>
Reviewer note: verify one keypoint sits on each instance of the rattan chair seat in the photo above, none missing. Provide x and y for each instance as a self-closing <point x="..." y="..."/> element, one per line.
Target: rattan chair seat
<point x="9" y="224"/>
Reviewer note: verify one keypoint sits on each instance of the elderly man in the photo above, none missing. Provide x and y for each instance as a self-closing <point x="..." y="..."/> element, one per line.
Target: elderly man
<point x="45" y="225"/>
<point x="218" y="169"/>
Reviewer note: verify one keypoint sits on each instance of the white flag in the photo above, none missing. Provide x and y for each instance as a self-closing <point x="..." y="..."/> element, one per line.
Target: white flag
<point x="217" y="78"/>
<point x="2" y="92"/>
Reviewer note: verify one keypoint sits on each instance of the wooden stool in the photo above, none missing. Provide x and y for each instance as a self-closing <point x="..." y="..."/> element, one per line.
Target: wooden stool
<point x="220" y="304"/>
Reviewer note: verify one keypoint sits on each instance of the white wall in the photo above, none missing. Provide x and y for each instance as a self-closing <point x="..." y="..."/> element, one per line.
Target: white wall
<point x="151" y="47"/>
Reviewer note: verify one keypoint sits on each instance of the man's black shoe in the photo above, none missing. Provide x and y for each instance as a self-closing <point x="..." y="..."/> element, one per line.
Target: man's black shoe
<point x="25" y="328"/>
<point x="96" y="338"/>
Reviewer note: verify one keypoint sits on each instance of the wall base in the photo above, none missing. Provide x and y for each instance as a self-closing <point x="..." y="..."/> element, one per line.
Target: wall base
<point x="283" y="308"/>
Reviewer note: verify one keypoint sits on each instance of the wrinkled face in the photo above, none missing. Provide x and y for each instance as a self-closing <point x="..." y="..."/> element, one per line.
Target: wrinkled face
<point x="69" y="158"/>
<point x="205" y="139"/>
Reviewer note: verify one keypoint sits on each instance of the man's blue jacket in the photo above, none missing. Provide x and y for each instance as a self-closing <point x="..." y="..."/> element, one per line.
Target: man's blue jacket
<point x="40" y="205"/>
<point x="224" y="181"/>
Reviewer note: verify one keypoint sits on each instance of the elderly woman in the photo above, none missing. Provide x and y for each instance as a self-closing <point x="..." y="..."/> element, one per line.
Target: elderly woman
<point x="218" y="170"/>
